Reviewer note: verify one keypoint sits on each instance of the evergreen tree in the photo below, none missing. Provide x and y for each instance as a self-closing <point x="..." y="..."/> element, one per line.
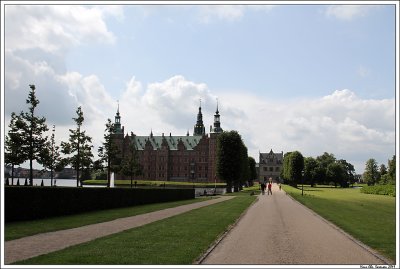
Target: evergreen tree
<point x="371" y="172"/>
<point x="79" y="147"/>
<point x="13" y="144"/>
<point x="33" y="129"/>
<point x="50" y="156"/>
<point x="109" y="153"/>
<point x="130" y="165"/>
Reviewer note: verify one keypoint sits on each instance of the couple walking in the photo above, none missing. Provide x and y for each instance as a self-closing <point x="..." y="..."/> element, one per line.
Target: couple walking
<point x="264" y="186"/>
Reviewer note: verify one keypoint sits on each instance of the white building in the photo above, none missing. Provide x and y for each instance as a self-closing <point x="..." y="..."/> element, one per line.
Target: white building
<point x="270" y="166"/>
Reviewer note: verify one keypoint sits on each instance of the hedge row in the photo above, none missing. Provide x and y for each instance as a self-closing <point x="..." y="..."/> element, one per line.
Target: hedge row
<point x="380" y="189"/>
<point x="26" y="203"/>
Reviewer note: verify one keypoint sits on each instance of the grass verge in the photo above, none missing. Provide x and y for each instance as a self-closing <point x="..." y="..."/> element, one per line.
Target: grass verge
<point x="15" y="230"/>
<point x="177" y="240"/>
<point x="369" y="218"/>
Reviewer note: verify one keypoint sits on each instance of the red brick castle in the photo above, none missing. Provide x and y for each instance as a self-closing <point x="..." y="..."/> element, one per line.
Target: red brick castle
<point x="173" y="158"/>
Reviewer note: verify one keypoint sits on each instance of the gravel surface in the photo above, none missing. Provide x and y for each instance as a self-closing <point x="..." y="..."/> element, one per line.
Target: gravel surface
<point x="31" y="246"/>
<point x="277" y="230"/>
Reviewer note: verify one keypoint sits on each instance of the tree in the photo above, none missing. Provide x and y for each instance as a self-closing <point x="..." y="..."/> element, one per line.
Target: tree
<point x="79" y="147"/>
<point x="253" y="171"/>
<point x="382" y="179"/>
<point x="371" y="172"/>
<point x="50" y="156"/>
<point x="33" y="129"/>
<point x="336" y="173"/>
<point x="323" y="161"/>
<point x="350" y="173"/>
<point x="14" y="141"/>
<point x="311" y="170"/>
<point x="296" y="162"/>
<point x="109" y="152"/>
<point x="285" y="172"/>
<point x="229" y="158"/>
<point x="130" y="165"/>
<point x="392" y="170"/>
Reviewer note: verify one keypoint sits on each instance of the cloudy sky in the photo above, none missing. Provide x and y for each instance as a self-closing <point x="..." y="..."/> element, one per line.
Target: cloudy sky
<point x="312" y="78"/>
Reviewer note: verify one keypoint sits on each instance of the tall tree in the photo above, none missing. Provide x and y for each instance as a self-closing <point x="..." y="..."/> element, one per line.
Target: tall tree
<point x="392" y="170"/>
<point x="50" y="156"/>
<point x="311" y="171"/>
<point x="33" y="131"/>
<point x="79" y="147"/>
<point x="350" y="173"/>
<point x="336" y="173"/>
<point x="371" y="172"/>
<point x="14" y="142"/>
<point x="109" y="153"/>
<point x="296" y="162"/>
<point x="324" y="161"/>
<point x="229" y="158"/>
<point x="253" y="171"/>
<point x="130" y="165"/>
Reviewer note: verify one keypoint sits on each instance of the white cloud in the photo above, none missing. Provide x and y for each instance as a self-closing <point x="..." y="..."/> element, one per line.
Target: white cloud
<point x="347" y="12"/>
<point x="230" y="13"/>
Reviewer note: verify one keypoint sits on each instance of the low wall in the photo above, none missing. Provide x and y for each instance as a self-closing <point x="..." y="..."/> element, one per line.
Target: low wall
<point x="26" y="203"/>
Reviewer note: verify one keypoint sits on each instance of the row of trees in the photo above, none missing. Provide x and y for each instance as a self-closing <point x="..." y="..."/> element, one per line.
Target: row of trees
<point x="323" y="169"/>
<point x="26" y="141"/>
<point x="382" y="174"/>
<point x="234" y="166"/>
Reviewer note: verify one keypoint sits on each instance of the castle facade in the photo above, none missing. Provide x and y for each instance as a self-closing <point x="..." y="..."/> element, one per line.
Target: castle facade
<point x="187" y="158"/>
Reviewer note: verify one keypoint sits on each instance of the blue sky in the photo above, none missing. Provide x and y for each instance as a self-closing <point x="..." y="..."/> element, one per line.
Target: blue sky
<point x="312" y="78"/>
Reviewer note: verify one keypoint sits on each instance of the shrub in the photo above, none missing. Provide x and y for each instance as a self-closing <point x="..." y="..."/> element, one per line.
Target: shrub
<point x="380" y="189"/>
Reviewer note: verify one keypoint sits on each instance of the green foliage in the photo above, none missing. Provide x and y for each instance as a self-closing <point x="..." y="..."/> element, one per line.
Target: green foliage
<point x="231" y="155"/>
<point x="130" y="165"/>
<point x="371" y="173"/>
<point x="22" y="203"/>
<point x="50" y="156"/>
<point x="293" y="166"/>
<point x="324" y="160"/>
<point x="310" y="170"/>
<point x="78" y="148"/>
<point x="336" y="173"/>
<point x="33" y="129"/>
<point x="380" y="189"/>
<point x="14" y="142"/>
<point x="392" y="170"/>
<point x="252" y="168"/>
<point x="176" y="240"/>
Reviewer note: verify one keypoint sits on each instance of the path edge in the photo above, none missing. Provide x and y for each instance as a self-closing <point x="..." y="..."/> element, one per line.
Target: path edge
<point x="221" y="237"/>
<point x="372" y="251"/>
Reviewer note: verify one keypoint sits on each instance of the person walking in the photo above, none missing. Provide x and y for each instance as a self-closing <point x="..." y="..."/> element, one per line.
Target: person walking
<point x="263" y="188"/>
<point x="269" y="188"/>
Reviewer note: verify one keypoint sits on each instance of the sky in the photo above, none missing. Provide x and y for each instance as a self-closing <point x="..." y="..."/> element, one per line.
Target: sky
<point x="313" y="78"/>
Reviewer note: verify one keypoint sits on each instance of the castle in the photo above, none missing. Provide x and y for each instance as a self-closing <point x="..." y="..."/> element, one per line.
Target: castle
<point x="173" y="158"/>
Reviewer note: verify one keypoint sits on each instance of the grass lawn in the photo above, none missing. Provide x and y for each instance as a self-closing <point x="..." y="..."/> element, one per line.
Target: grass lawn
<point x="177" y="240"/>
<point x="15" y="230"/>
<point x="369" y="218"/>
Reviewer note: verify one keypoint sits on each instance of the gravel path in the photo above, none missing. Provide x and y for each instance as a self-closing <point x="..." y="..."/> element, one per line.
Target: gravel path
<point x="279" y="230"/>
<point x="31" y="246"/>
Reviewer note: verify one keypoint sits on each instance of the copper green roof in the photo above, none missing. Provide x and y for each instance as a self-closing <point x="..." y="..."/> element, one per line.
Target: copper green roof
<point x="156" y="141"/>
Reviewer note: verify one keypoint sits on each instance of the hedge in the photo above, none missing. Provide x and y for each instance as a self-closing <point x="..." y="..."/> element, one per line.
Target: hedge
<point x="26" y="203"/>
<point x="380" y="189"/>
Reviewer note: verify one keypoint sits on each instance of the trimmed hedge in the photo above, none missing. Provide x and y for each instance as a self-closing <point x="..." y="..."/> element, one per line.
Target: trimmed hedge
<point x="380" y="189"/>
<point x="26" y="203"/>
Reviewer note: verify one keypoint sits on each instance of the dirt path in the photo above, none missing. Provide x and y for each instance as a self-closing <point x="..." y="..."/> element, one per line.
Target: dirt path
<point x="31" y="246"/>
<point x="279" y="230"/>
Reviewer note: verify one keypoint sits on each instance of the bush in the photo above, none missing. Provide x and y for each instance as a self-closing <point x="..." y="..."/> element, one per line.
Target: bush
<point x="25" y="203"/>
<point x="380" y="189"/>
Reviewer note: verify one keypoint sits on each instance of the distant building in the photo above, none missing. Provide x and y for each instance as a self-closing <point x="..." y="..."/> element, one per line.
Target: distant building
<point x="189" y="158"/>
<point x="270" y="166"/>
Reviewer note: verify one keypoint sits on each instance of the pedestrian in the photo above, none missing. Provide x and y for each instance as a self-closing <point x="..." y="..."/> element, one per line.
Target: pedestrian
<point x="269" y="188"/>
<point x="263" y="188"/>
<point x="280" y="187"/>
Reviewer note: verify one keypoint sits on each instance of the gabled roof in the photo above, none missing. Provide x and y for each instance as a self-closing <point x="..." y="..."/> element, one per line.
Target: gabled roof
<point x="156" y="141"/>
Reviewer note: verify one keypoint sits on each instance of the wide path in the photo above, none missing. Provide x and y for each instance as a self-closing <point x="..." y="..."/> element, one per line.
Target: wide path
<point x="279" y="230"/>
<point x="31" y="246"/>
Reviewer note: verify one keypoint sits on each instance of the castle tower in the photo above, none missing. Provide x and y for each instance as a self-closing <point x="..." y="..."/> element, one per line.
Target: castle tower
<point x="199" y="128"/>
<point x="217" y="123"/>
<point x="117" y="123"/>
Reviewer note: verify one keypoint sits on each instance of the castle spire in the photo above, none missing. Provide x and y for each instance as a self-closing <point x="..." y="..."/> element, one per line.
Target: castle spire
<point x="117" y="123"/>
<point x="217" y="123"/>
<point x="199" y="128"/>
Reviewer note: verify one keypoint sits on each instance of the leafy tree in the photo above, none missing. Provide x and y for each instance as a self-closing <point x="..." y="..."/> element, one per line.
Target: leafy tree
<point x="244" y="170"/>
<point x="229" y="158"/>
<point x="392" y="170"/>
<point x="296" y="161"/>
<point x="350" y="173"/>
<point x="50" y="156"/>
<point x="253" y="172"/>
<point x="33" y="129"/>
<point x="336" y="173"/>
<point x="79" y="147"/>
<point x="311" y="170"/>
<point x="109" y="152"/>
<point x="130" y="165"/>
<point x="14" y="141"/>
<point x="371" y="172"/>
<point x="285" y="172"/>
<point x="323" y="161"/>
<point x="382" y="172"/>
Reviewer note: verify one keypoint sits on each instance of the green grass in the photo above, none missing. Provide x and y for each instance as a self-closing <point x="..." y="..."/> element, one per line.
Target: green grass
<point x="177" y="240"/>
<point x="369" y="218"/>
<point x="15" y="230"/>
